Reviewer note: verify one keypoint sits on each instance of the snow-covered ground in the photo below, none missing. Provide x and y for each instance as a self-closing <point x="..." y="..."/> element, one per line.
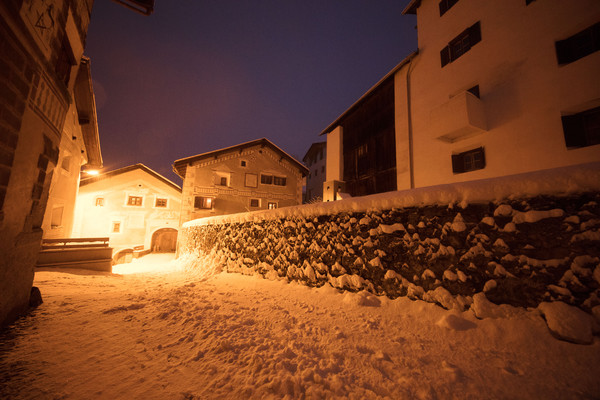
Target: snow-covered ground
<point x="170" y="334"/>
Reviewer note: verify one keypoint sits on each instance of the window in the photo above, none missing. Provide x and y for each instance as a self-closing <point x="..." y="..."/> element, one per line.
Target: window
<point x="251" y="180"/>
<point x="56" y="218"/>
<point x="266" y="179"/>
<point x="204" y="203"/>
<point x="445" y="5"/>
<point x="223" y="181"/>
<point x="461" y="44"/>
<point x="271" y="205"/>
<point x="99" y="202"/>
<point x="579" y="45"/>
<point x="116" y="227"/>
<point x="135" y="201"/>
<point x="582" y="129"/>
<point x="254" y="203"/>
<point x="323" y="169"/>
<point x="243" y="163"/>
<point x="527" y="2"/>
<point x="279" y="181"/>
<point x="316" y="172"/>
<point x="160" y="202"/>
<point x="468" y="161"/>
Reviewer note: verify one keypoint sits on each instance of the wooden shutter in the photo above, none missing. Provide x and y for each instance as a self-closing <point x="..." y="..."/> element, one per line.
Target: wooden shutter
<point x="445" y="55"/>
<point x="475" y="34"/>
<point x="458" y="164"/>
<point x="573" y="130"/>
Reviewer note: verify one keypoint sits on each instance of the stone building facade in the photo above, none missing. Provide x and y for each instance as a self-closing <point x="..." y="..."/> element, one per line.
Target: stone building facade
<point x="41" y="49"/>
<point x="251" y="176"/>
<point x="315" y="160"/>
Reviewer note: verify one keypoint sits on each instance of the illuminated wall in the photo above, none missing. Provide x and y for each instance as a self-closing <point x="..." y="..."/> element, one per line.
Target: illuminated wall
<point x="255" y="176"/>
<point x="488" y="77"/>
<point x="127" y="205"/>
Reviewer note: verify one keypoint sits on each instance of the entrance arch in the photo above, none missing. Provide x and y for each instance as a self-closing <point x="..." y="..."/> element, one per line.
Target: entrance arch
<point x="164" y="240"/>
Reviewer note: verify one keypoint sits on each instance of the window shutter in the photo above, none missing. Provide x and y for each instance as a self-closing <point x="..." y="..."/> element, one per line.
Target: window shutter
<point x="563" y="53"/>
<point x="443" y="7"/>
<point x="445" y="55"/>
<point x="481" y="163"/>
<point x="458" y="164"/>
<point x="475" y="34"/>
<point x="573" y="131"/>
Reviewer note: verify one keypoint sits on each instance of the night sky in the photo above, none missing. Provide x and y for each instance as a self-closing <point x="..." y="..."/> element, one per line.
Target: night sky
<point x="201" y="75"/>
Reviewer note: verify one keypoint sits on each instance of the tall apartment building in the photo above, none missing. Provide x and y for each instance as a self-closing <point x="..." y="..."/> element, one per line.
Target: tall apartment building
<point x="495" y="88"/>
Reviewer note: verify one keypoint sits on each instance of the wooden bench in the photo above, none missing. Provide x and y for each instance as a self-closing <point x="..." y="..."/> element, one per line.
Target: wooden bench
<point x="84" y="253"/>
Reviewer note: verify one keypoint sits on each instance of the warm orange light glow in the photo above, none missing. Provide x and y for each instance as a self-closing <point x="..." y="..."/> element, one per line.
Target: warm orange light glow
<point x="92" y="172"/>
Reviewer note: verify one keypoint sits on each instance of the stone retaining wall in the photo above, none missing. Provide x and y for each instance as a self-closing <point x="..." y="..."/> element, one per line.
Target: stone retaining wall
<point x="518" y="252"/>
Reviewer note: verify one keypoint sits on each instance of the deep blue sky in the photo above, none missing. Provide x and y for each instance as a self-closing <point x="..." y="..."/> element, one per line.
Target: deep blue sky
<point x="200" y="75"/>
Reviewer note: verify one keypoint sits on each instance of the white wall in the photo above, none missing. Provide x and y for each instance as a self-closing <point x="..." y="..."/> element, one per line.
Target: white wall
<point x="523" y="89"/>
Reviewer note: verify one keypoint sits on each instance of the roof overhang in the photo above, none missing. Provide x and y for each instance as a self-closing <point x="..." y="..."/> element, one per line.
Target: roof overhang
<point x="411" y="8"/>
<point x="390" y="74"/>
<point x="180" y="166"/>
<point x="142" y="167"/>
<point x="86" y="111"/>
<point x="145" y="7"/>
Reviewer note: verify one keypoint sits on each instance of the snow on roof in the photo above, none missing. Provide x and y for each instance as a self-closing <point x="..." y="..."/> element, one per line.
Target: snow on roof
<point x="142" y="167"/>
<point x="559" y="181"/>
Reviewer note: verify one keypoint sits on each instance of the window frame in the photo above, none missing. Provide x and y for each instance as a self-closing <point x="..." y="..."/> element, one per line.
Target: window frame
<point x="446" y="5"/>
<point x="129" y="203"/>
<point x="461" y="44"/>
<point x="99" y="201"/>
<point x="118" y="224"/>
<point x="466" y="161"/>
<point x="207" y="203"/>
<point x="579" y="130"/>
<point x="252" y="200"/>
<point x="157" y="199"/>
<point x="578" y="45"/>
<point x="272" y="203"/>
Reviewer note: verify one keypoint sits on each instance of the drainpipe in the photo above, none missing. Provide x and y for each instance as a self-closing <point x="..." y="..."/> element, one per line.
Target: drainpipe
<point x="410" y="133"/>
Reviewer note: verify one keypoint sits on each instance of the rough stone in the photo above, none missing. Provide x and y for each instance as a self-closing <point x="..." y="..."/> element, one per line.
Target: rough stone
<point x="567" y="322"/>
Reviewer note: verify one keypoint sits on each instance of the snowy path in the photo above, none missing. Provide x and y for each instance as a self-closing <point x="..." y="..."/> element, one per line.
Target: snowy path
<point x="173" y="336"/>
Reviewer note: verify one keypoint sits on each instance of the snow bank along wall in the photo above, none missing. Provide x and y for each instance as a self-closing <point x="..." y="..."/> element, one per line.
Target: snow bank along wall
<point x="521" y="240"/>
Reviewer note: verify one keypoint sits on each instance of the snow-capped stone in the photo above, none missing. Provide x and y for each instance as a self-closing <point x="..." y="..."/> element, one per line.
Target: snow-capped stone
<point x="501" y="245"/>
<point x="441" y="296"/>
<point x="510" y="227"/>
<point x="503" y="210"/>
<point x="499" y="270"/>
<point x="391" y="274"/>
<point x="461" y="275"/>
<point x="450" y="276"/>
<point x="483" y="308"/>
<point x="428" y="274"/>
<point x="535" y="216"/>
<point x="421" y="224"/>
<point x="489" y="285"/>
<point x="455" y="323"/>
<point x="560" y="290"/>
<point x="573" y="219"/>
<point x="376" y="262"/>
<point x="567" y="322"/>
<point x="362" y="298"/>
<point x="579" y="263"/>
<point x="391" y="228"/>
<point x="364" y="221"/>
<point x="488" y="221"/>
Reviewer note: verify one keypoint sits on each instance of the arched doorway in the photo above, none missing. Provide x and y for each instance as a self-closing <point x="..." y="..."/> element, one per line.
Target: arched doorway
<point x="164" y="240"/>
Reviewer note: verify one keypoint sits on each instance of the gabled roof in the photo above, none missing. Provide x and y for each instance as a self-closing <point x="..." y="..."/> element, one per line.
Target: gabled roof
<point x="179" y="166"/>
<point x="369" y="93"/>
<point x="123" y="170"/>
<point x="313" y="149"/>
